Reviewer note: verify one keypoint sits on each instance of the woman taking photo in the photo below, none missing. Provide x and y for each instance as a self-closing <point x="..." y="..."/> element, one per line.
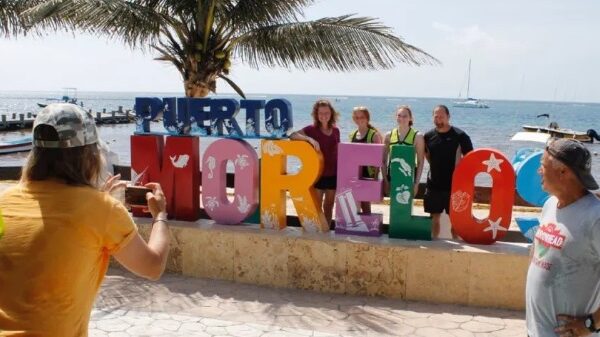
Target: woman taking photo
<point x="324" y="136"/>
<point x="60" y="230"/>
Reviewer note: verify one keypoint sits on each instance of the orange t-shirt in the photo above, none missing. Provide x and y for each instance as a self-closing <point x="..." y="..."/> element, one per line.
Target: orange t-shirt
<point x="54" y="252"/>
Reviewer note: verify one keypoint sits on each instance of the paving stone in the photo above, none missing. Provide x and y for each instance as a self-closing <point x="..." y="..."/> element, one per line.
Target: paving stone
<point x="429" y="331"/>
<point x="112" y="325"/>
<point x="244" y="331"/>
<point x="475" y="326"/>
<point x="181" y="306"/>
<point x="167" y="325"/>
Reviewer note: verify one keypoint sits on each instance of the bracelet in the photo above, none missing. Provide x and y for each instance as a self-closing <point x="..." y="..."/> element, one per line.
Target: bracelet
<point x="158" y="220"/>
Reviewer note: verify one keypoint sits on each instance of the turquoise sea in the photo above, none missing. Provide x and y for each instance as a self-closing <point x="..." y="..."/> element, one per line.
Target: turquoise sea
<point x="491" y="127"/>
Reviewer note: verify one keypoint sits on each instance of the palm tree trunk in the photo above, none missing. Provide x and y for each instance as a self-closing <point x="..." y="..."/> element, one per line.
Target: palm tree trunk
<point x="199" y="84"/>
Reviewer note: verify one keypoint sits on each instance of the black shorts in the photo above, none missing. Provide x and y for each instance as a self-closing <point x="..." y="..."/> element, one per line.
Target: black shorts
<point x="436" y="201"/>
<point x="326" y="183"/>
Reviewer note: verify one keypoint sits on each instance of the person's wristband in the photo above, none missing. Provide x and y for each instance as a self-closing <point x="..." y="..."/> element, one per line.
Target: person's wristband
<point x="158" y="219"/>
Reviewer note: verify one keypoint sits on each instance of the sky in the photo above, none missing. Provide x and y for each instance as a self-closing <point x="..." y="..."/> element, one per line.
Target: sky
<point x="520" y="50"/>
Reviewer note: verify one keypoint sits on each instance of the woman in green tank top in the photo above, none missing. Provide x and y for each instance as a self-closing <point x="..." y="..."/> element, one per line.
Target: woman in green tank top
<point x="365" y="133"/>
<point x="404" y="134"/>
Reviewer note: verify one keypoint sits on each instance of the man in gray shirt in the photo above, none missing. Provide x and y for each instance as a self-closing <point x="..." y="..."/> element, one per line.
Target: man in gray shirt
<point x="563" y="280"/>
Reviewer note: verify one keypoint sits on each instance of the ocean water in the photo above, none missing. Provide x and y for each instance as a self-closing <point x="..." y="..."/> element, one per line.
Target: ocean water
<point x="491" y="127"/>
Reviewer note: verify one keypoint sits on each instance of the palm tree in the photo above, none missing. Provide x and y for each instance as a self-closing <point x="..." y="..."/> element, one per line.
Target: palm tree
<point x="10" y="21"/>
<point x="202" y="37"/>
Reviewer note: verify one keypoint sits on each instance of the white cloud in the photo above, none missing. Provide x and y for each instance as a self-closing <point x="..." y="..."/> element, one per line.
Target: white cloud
<point x="473" y="37"/>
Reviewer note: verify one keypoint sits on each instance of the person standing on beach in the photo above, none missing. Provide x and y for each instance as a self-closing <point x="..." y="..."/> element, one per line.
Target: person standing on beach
<point x="365" y="133"/>
<point x="445" y="145"/>
<point x="404" y="134"/>
<point x="60" y="230"/>
<point x="562" y="293"/>
<point x="324" y="136"/>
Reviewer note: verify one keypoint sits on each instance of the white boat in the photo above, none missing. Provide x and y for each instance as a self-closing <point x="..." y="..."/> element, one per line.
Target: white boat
<point x="18" y="145"/>
<point x="470" y="102"/>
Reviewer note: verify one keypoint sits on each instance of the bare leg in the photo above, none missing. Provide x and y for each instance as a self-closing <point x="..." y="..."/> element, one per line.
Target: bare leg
<point x="328" y="205"/>
<point x="366" y="207"/>
<point x="320" y="194"/>
<point x="435" y="225"/>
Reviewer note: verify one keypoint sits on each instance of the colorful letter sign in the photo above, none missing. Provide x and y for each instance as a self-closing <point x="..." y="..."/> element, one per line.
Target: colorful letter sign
<point x="494" y="227"/>
<point x="529" y="182"/>
<point x="214" y="181"/>
<point x="403" y="224"/>
<point x="351" y="189"/>
<point x="1" y="224"/>
<point x="275" y="182"/>
<point x="214" y="117"/>
<point x="175" y="166"/>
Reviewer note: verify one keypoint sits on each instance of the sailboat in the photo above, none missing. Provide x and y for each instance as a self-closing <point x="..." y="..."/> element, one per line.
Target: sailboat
<point x="470" y="102"/>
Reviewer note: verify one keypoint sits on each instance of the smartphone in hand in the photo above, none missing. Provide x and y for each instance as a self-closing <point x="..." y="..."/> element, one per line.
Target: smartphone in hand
<point x="136" y="196"/>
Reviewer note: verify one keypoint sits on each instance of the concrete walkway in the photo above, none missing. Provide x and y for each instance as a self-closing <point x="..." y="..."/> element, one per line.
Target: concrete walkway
<point x="181" y="306"/>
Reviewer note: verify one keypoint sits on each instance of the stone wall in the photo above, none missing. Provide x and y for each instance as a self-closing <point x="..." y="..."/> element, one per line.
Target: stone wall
<point x="438" y="272"/>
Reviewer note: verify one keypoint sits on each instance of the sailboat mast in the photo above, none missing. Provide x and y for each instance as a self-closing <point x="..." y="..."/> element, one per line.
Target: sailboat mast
<point x="468" y="78"/>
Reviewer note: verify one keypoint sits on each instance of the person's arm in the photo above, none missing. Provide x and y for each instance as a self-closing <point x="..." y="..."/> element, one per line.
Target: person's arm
<point x="420" y="151"/>
<point x="426" y="150"/>
<point x="575" y="326"/>
<point x="149" y="259"/>
<point x="301" y="135"/>
<point x="378" y="138"/>
<point x="466" y="145"/>
<point x="384" y="164"/>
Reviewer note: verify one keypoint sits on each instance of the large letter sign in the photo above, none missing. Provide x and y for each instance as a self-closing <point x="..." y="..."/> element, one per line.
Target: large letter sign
<point x="175" y="165"/>
<point x="529" y="182"/>
<point x="214" y="181"/>
<point x="351" y="189"/>
<point x="214" y="117"/>
<point x="174" y="162"/>
<point x="403" y="224"/>
<point x="275" y="182"/>
<point x="494" y="227"/>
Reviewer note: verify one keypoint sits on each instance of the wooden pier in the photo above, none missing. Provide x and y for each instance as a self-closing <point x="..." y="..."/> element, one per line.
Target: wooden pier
<point x="14" y="121"/>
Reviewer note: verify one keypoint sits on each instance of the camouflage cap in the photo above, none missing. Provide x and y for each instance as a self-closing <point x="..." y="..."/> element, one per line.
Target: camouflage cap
<point x="576" y="157"/>
<point x="74" y="126"/>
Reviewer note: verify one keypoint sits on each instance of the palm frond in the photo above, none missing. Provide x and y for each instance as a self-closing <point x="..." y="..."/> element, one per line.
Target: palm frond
<point x="133" y="23"/>
<point x="233" y="85"/>
<point x="11" y="21"/>
<point x="342" y="43"/>
<point x="251" y="14"/>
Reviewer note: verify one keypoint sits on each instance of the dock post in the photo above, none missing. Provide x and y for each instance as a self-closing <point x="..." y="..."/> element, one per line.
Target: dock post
<point x="120" y="109"/>
<point x="98" y="117"/>
<point x="4" y="125"/>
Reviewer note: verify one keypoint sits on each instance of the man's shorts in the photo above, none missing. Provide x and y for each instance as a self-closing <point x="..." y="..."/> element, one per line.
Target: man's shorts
<point x="326" y="183"/>
<point x="436" y="201"/>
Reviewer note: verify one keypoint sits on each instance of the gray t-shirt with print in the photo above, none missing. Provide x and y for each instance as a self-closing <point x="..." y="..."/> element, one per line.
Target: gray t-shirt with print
<point x="564" y="273"/>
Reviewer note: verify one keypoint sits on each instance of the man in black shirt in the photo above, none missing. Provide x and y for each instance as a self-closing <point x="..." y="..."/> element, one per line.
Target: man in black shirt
<point x="444" y="147"/>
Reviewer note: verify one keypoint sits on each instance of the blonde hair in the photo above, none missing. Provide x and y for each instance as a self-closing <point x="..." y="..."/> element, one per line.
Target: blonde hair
<point x="78" y="166"/>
